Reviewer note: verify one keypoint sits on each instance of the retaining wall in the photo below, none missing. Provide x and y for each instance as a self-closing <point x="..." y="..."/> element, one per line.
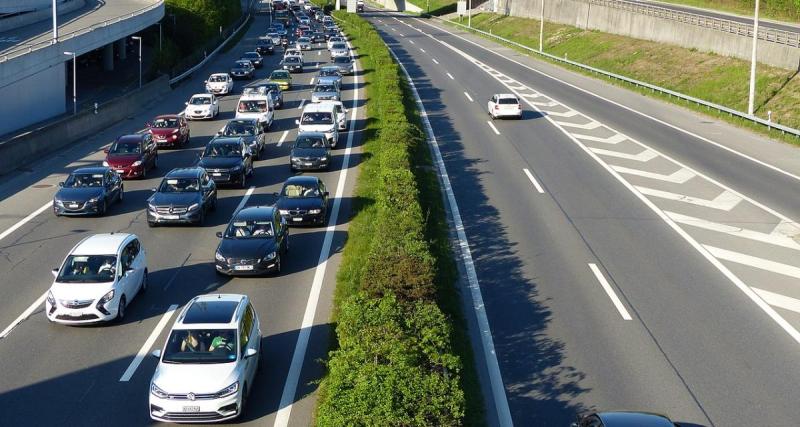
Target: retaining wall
<point x="607" y="19"/>
<point x="22" y="149"/>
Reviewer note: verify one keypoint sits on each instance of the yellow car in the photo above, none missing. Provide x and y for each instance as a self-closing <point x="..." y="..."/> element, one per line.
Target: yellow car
<point x="282" y="78"/>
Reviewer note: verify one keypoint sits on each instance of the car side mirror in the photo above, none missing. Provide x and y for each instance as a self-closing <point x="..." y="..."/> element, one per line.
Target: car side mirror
<point x="148" y="125"/>
<point x="61" y="184"/>
<point x="205" y="81"/>
<point x="55" y="272"/>
<point x="250" y="352"/>
<point x="297" y="121"/>
<point x="325" y="194"/>
<point x="186" y="103"/>
<point x="156" y="354"/>
<point x="219" y="234"/>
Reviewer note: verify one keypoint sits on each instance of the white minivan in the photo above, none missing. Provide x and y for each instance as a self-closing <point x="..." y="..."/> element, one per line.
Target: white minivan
<point x="321" y="117"/>
<point x="256" y="103"/>
<point x="98" y="279"/>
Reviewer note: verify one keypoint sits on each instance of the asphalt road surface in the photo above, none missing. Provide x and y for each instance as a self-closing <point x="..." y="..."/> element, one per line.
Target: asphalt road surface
<point x="60" y="375"/>
<point x="631" y="254"/>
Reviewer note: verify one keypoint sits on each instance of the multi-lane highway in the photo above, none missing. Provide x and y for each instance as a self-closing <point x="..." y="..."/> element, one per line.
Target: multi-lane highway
<point x="58" y="375"/>
<point x="630" y="254"/>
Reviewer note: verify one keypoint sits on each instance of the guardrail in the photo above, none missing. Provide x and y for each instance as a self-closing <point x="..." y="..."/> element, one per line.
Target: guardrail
<point x="654" y="88"/>
<point x="26" y="49"/>
<point x="719" y="24"/>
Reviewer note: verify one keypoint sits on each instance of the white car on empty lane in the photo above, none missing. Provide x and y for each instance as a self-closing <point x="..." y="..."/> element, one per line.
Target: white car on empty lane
<point x="504" y="105"/>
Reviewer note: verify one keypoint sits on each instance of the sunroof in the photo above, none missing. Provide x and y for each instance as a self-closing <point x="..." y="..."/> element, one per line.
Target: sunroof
<point x="211" y="312"/>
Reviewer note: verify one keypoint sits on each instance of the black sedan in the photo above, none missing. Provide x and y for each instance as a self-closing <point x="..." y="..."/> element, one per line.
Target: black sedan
<point x="243" y="69"/>
<point x="292" y="64"/>
<point x="303" y="200"/>
<point x="251" y="130"/>
<point x="623" y="419"/>
<point x="310" y="151"/>
<point x="265" y="46"/>
<point x="228" y="161"/>
<point x="254" y="57"/>
<point x="88" y="191"/>
<point x="253" y="243"/>
<point x="183" y="197"/>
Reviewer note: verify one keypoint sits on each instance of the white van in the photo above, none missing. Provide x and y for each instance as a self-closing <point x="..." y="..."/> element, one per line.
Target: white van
<point x="255" y="103"/>
<point x="320" y="118"/>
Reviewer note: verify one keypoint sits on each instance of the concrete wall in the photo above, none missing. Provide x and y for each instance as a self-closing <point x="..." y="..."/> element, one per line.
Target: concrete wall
<point x="22" y="149"/>
<point x="39" y="14"/>
<point x="37" y="100"/>
<point x="583" y="14"/>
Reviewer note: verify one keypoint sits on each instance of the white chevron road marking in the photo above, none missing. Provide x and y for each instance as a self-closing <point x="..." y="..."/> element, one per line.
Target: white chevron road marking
<point x="613" y="139"/>
<point x="778" y="300"/>
<point x="724" y="202"/>
<point x="591" y="125"/>
<point x="644" y="156"/>
<point x="771" y="238"/>
<point x="755" y="262"/>
<point x="678" y="177"/>
<point x="568" y="113"/>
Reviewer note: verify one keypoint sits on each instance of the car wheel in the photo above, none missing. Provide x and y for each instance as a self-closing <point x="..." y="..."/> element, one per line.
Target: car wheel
<point x="144" y="172"/>
<point x="155" y="163"/>
<point x="103" y="207"/>
<point x="121" y="194"/>
<point x="286" y="244"/>
<point x="278" y="265"/>
<point x="213" y="205"/>
<point x="202" y="218"/>
<point x="143" y="287"/>
<point x="121" y="308"/>
<point x="243" y="181"/>
<point x="151" y="224"/>
<point x="244" y="400"/>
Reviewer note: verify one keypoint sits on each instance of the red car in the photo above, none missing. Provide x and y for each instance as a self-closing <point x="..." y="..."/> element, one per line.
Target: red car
<point x="169" y="130"/>
<point x="132" y="155"/>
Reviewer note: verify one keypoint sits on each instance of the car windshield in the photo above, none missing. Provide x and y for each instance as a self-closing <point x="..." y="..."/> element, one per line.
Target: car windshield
<point x="242" y="64"/>
<point x="341" y="60"/>
<point x="218" y="78"/>
<point x="328" y="73"/>
<point x="88" y="269"/>
<point x="179" y="185"/>
<point x="252" y="106"/>
<point x="250" y="229"/>
<point x="294" y="191"/>
<point x="325" y="88"/>
<point x="165" y="123"/>
<point x="317" y="118"/>
<point x="239" y="129"/>
<point x="303" y="40"/>
<point x="280" y="76"/>
<point x="223" y="150"/>
<point x="338" y="46"/>
<point x="273" y="87"/>
<point x="251" y="55"/>
<point x="201" y="346"/>
<point x="200" y="100"/>
<point x="508" y="101"/>
<point x="127" y="147"/>
<point x="79" y="180"/>
<point x="310" y="142"/>
<point x="292" y="59"/>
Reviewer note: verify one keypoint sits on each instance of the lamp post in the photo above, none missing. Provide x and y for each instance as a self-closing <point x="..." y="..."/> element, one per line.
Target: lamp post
<point x="541" y="27"/>
<point x="55" y="23"/>
<point x="469" y="14"/>
<point x="140" y="59"/>
<point x="159" y="35"/>
<point x="751" y="101"/>
<point x="74" y="84"/>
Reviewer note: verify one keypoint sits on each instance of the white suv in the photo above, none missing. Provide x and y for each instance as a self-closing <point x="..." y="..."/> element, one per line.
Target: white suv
<point x="98" y="279"/>
<point x="504" y="105"/>
<point x="207" y="366"/>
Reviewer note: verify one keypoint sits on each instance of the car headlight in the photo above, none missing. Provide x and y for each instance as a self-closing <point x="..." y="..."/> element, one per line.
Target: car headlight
<point x="174" y="136"/>
<point x="194" y="206"/>
<point x="218" y="256"/>
<point x="105" y="163"/>
<point x="314" y="211"/>
<point x="229" y="390"/>
<point x="106" y="298"/>
<point x="236" y="168"/>
<point x="58" y="203"/>
<point x="270" y="255"/>
<point x="324" y="158"/>
<point x="94" y="199"/>
<point x="283" y="212"/>
<point x="157" y="392"/>
<point x="137" y="163"/>
<point x="50" y="298"/>
<point x="151" y="206"/>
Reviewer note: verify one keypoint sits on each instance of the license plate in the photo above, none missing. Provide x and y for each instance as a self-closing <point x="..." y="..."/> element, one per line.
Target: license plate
<point x="120" y="170"/>
<point x="308" y="164"/>
<point x="170" y="216"/>
<point x="216" y="174"/>
<point x="73" y="205"/>
<point x="191" y="409"/>
<point x="297" y="219"/>
<point x="242" y="267"/>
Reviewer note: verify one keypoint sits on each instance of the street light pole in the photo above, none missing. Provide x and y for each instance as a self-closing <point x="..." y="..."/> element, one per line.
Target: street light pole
<point x="55" y="23"/>
<point x="140" y="59"/>
<point x="751" y="101"/>
<point x="541" y="27"/>
<point x="159" y="36"/>
<point x="74" y="84"/>
<point x="469" y="14"/>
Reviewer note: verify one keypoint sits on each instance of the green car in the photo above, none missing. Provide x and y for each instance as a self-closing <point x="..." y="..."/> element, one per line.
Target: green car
<point x="282" y="78"/>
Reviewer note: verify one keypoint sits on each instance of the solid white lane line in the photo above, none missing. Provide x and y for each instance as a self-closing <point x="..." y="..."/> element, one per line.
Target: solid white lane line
<point x="491" y="125"/>
<point x="435" y="61"/>
<point x="25" y="220"/>
<point x="588" y="92"/>
<point x="246" y="196"/>
<point x="299" y="355"/>
<point x="755" y="262"/>
<point x="533" y="181"/>
<point x="610" y="291"/>
<point x="25" y="314"/>
<point x="283" y="137"/>
<point x="778" y="300"/>
<point x="487" y="341"/>
<point x="468" y="97"/>
<point x="302" y="102"/>
<point x="451" y="76"/>
<point x="148" y="344"/>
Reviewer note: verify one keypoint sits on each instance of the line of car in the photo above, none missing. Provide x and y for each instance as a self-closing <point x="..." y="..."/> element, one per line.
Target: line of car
<point x="208" y="362"/>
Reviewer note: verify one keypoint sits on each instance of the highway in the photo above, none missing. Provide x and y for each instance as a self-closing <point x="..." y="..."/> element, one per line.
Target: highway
<point x="631" y="254"/>
<point x="783" y="26"/>
<point x="59" y="375"/>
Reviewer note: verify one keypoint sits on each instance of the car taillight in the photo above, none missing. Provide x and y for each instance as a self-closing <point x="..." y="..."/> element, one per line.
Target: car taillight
<point x="496" y="106"/>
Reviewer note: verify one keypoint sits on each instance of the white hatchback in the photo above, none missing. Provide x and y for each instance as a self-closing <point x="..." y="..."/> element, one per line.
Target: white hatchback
<point x="98" y="279"/>
<point x="504" y="105"/>
<point x="202" y="106"/>
<point x="219" y="84"/>
<point x="208" y="364"/>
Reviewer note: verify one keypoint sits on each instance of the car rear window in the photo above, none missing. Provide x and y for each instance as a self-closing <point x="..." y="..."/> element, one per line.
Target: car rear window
<point x="317" y="119"/>
<point x="508" y="101"/>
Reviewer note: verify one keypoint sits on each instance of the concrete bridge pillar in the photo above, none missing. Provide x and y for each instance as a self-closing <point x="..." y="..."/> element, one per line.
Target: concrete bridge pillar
<point x="121" y="49"/>
<point x="108" y="57"/>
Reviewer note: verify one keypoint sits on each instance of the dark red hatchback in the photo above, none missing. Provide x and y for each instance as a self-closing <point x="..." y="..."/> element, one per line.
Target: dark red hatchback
<point x="169" y="130"/>
<point x="132" y="155"/>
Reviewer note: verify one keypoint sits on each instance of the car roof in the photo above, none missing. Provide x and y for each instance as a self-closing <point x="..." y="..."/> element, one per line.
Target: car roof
<point x="219" y="74"/>
<point x="226" y="140"/>
<point x="91" y="169"/>
<point x="168" y="116"/>
<point x="634" y="419"/>
<point x="101" y="244"/>
<point x="302" y="179"/>
<point x="213" y="310"/>
<point x="245" y="121"/>
<point x="254" y="212"/>
<point x="202" y="95"/>
<point x="131" y="137"/>
<point x="506" y="95"/>
<point x="191" y="172"/>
